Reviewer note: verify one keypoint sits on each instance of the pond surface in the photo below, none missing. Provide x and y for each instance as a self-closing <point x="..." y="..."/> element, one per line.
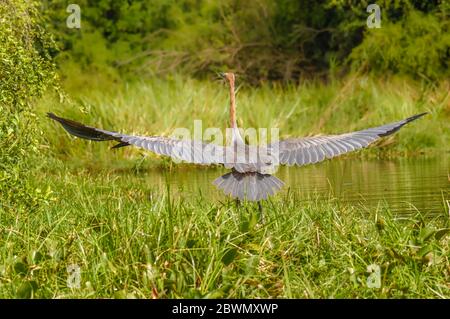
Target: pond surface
<point x="404" y="185"/>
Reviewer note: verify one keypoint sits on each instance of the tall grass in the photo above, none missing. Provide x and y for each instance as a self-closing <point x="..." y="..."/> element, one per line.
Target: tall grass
<point x="132" y="241"/>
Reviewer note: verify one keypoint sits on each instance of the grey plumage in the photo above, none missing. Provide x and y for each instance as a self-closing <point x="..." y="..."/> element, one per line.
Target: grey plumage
<point x="310" y="150"/>
<point x="252" y="186"/>
<point x="188" y="151"/>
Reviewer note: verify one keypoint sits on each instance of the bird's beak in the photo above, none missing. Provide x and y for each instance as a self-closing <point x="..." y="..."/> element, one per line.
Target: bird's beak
<point x="221" y="75"/>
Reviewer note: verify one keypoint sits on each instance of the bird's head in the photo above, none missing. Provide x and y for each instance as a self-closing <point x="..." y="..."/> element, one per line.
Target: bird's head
<point x="226" y="76"/>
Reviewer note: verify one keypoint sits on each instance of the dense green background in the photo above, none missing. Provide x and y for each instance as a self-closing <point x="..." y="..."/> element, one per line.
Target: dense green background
<point x="266" y="39"/>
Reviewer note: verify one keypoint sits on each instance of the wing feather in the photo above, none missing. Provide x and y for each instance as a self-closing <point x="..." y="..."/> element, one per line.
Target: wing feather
<point x="309" y="150"/>
<point x="189" y="151"/>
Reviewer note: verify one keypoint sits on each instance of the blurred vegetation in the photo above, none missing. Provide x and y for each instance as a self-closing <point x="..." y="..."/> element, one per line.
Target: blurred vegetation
<point x="26" y="70"/>
<point x="265" y="39"/>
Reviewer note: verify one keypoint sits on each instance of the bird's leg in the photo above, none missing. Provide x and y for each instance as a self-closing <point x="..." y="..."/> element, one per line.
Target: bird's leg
<point x="261" y="214"/>
<point x="238" y="202"/>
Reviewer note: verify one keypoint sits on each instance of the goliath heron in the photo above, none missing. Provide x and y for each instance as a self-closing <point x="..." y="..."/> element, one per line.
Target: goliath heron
<point x="250" y="177"/>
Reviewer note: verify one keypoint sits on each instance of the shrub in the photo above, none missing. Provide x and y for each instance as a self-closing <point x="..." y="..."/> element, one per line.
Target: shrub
<point x="418" y="46"/>
<point x="26" y="70"/>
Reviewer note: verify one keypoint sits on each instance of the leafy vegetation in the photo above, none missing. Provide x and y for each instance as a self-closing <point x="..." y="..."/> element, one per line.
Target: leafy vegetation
<point x="418" y="46"/>
<point x="26" y="70"/>
<point x="274" y="40"/>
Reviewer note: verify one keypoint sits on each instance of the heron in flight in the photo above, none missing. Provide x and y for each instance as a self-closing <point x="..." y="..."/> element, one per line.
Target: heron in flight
<point x="251" y="166"/>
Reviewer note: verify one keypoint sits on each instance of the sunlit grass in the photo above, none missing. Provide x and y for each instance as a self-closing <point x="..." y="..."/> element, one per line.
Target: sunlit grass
<point x="132" y="240"/>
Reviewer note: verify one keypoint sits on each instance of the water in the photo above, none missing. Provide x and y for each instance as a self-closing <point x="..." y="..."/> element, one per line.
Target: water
<point x="405" y="185"/>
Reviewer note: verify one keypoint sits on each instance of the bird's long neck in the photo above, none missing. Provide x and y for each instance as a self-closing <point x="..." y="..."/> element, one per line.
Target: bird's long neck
<point x="236" y="136"/>
<point x="232" y="104"/>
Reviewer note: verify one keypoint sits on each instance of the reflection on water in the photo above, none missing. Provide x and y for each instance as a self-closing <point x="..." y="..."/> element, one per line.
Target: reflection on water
<point x="404" y="184"/>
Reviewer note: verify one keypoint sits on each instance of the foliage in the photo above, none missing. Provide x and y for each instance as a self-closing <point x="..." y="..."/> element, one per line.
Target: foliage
<point x="262" y="39"/>
<point x="26" y="70"/>
<point x="418" y="45"/>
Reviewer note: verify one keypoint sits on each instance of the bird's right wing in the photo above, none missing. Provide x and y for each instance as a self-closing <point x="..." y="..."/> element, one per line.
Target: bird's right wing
<point x="314" y="149"/>
<point x="179" y="150"/>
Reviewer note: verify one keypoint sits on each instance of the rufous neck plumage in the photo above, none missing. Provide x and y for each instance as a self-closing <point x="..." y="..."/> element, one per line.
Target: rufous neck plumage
<point x="230" y="78"/>
<point x="236" y="137"/>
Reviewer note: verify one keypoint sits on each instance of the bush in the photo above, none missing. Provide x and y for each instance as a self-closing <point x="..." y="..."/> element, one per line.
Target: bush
<point x="418" y="46"/>
<point x="264" y="39"/>
<point x="26" y="70"/>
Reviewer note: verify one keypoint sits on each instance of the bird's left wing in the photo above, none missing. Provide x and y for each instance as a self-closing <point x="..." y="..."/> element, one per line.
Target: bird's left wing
<point x="309" y="150"/>
<point x="181" y="150"/>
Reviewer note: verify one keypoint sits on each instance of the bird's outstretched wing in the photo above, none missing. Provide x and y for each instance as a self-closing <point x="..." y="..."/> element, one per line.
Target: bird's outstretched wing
<point x="309" y="150"/>
<point x="181" y="150"/>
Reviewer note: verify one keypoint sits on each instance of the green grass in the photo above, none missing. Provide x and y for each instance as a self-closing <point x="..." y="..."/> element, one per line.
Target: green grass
<point x="132" y="239"/>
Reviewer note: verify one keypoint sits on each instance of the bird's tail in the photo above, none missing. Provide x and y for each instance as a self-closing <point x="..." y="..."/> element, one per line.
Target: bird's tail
<point x="249" y="186"/>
